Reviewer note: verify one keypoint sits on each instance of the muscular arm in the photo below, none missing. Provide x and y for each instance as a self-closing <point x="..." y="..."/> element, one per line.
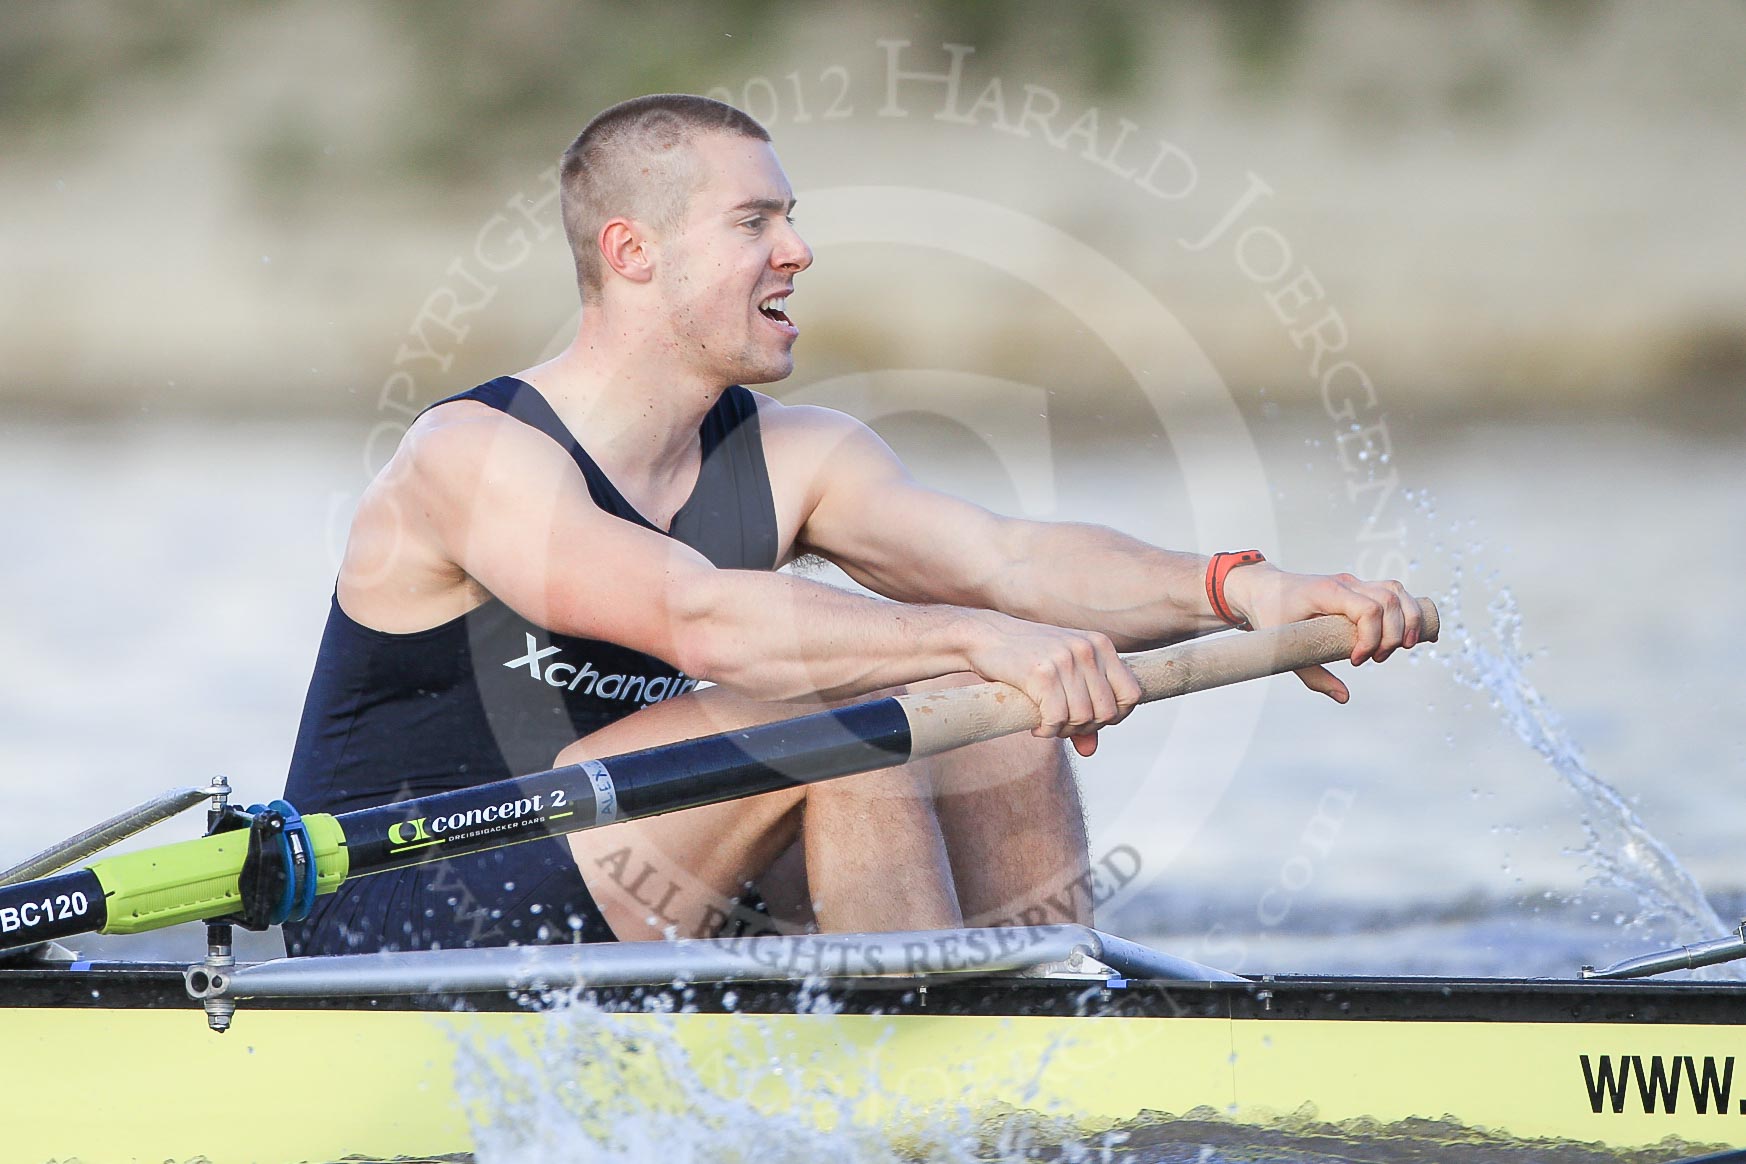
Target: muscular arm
<point x="1063" y="573"/>
<point x="901" y="539"/>
<point x="914" y="544"/>
<point x="505" y="505"/>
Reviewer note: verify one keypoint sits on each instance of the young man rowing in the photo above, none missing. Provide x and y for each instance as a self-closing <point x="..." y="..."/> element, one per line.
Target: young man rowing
<point x="552" y="560"/>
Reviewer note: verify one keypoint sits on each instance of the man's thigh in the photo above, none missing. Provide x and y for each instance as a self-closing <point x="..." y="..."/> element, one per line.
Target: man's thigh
<point x="682" y="873"/>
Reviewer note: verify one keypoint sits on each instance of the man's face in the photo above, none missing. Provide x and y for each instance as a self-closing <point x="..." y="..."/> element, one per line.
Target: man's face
<point x="727" y="270"/>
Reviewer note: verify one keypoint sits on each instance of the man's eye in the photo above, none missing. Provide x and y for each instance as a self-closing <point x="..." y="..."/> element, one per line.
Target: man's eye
<point x="756" y="223"/>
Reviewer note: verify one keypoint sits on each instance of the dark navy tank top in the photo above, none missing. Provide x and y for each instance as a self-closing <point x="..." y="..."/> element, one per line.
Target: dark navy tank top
<point x="491" y="695"/>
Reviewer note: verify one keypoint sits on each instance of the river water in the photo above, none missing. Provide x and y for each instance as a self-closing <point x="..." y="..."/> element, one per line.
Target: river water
<point x="1558" y="784"/>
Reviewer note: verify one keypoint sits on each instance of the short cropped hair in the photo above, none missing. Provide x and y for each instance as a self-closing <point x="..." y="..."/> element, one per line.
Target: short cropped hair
<point x="634" y="160"/>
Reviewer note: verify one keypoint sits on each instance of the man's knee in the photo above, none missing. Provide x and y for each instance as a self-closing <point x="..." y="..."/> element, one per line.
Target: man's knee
<point x="1020" y="764"/>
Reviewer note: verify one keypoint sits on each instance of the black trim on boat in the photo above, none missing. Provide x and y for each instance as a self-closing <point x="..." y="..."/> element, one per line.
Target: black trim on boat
<point x="129" y="985"/>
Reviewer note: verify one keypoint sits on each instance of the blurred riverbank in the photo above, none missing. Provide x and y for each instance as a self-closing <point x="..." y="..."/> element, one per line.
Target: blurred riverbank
<point x="303" y="209"/>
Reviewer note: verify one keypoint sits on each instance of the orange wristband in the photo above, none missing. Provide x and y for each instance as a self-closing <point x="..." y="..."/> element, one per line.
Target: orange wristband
<point x="1218" y="568"/>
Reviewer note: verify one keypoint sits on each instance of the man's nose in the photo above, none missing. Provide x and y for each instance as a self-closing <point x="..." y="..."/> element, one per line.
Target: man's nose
<point x="792" y="253"/>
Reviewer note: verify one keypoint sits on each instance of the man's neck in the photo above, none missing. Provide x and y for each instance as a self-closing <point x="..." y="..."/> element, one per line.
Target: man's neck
<point x="627" y="398"/>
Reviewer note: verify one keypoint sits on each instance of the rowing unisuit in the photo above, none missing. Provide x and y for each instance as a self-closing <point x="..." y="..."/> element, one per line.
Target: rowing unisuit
<point x="491" y="695"/>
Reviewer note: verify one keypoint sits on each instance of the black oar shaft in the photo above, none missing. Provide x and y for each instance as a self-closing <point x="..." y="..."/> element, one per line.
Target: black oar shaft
<point x="728" y="766"/>
<point x="51" y="908"/>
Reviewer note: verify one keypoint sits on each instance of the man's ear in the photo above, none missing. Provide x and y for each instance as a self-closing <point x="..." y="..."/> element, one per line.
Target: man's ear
<point x="624" y="245"/>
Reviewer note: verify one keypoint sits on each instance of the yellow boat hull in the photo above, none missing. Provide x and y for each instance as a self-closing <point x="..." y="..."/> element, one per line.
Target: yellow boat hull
<point x="377" y="1080"/>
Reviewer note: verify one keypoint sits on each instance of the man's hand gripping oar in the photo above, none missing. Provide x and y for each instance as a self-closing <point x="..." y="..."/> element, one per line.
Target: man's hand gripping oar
<point x="944" y="720"/>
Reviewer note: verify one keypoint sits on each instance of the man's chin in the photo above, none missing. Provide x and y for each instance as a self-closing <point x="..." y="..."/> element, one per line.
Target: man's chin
<point x="767" y="372"/>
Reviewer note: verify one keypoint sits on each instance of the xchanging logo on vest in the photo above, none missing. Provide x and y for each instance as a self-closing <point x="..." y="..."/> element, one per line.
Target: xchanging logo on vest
<point x="585" y="679"/>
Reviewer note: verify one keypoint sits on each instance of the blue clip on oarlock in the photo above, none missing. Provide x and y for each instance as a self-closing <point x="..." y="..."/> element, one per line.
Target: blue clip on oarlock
<point x="301" y="851"/>
<point x="297" y="857"/>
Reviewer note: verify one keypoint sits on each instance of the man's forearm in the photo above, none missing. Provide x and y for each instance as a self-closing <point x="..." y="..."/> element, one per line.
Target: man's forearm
<point x="1094" y="578"/>
<point x="775" y="636"/>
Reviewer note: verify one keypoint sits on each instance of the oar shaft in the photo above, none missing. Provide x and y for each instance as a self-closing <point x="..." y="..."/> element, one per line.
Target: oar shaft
<point x="822" y="746"/>
<point x="50" y="908"/>
<point x="196" y="879"/>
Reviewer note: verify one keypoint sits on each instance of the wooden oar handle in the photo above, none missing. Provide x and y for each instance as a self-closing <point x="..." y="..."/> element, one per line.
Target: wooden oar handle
<point x="942" y="720"/>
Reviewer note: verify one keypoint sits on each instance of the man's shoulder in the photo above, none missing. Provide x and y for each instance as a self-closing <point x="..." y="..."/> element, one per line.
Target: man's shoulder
<point x="814" y="452"/>
<point x="462" y="451"/>
<point x="465" y="434"/>
<point x="803" y="422"/>
<point x="459" y="415"/>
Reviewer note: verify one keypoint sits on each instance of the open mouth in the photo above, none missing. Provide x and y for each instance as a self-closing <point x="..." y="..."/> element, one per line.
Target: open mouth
<point x="776" y="308"/>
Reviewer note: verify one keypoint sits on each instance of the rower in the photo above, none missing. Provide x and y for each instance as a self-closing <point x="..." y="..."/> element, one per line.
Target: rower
<point x="553" y="561"/>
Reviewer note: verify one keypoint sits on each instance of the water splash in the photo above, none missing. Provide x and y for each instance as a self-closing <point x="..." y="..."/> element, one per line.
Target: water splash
<point x="1620" y="852"/>
<point x="582" y="1082"/>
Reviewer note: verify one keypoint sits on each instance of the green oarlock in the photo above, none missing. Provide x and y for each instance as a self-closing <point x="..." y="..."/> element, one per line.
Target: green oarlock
<point x="197" y="879"/>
